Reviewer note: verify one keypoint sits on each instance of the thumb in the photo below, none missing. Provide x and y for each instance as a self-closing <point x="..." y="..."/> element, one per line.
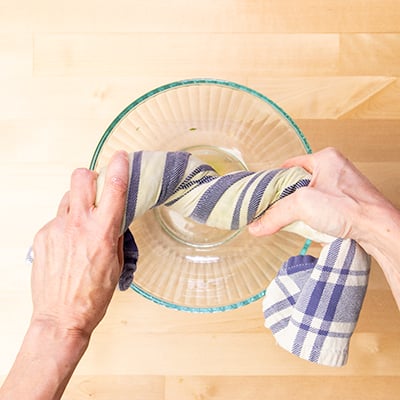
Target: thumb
<point x="281" y="214"/>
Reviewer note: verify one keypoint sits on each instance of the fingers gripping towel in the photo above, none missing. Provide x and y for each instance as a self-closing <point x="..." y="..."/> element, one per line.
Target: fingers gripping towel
<point x="312" y="305"/>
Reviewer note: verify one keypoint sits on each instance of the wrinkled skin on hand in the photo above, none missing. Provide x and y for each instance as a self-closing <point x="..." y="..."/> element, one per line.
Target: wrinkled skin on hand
<point x="334" y="203"/>
<point x="78" y="255"/>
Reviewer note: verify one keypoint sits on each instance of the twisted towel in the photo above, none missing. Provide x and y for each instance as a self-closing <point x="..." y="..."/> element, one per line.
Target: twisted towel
<point x="312" y="305"/>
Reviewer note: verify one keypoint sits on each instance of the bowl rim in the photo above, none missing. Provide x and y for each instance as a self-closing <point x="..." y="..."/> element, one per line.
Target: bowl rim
<point x="197" y="82"/>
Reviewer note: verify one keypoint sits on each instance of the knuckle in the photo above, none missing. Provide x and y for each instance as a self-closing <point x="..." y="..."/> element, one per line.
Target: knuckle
<point x="75" y="220"/>
<point x="333" y="153"/>
<point x="118" y="185"/>
<point x="82" y="173"/>
<point x="107" y="240"/>
<point x="300" y="197"/>
<point x="40" y="237"/>
<point x="43" y="236"/>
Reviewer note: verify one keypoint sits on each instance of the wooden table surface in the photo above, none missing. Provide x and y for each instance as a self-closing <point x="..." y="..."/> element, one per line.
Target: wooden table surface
<point x="67" y="68"/>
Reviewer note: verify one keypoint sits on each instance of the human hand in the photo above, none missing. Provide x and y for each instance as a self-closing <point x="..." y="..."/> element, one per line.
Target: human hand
<point x="78" y="255"/>
<point x="336" y="202"/>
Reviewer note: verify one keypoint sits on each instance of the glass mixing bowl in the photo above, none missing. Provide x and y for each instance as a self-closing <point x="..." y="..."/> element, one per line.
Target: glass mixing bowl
<point x="183" y="264"/>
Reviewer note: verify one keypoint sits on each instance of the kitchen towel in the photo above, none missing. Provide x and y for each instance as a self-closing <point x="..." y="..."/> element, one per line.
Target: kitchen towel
<point x="313" y="304"/>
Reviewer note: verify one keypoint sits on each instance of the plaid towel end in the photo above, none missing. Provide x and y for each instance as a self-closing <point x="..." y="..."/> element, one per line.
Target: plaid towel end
<point x="312" y="306"/>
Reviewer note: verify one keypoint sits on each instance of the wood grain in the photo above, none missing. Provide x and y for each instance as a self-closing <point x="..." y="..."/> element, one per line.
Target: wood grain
<point x="45" y="101"/>
<point x="370" y="54"/>
<point x="68" y="68"/>
<point x="268" y="16"/>
<point x="192" y="54"/>
<point x="258" y="388"/>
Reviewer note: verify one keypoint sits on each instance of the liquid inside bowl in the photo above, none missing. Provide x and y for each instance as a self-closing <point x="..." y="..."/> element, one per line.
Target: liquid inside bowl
<point x="187" y="231"/>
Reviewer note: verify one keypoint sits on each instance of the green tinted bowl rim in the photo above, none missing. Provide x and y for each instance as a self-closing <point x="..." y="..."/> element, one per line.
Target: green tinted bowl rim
<point x="197" y="82"/>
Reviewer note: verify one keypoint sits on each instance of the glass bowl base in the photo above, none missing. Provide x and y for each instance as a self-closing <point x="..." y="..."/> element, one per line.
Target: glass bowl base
<point x="187" y="231"/>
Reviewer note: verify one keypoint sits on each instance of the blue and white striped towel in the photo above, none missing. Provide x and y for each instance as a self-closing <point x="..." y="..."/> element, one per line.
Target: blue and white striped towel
<point x="312" y="305"/>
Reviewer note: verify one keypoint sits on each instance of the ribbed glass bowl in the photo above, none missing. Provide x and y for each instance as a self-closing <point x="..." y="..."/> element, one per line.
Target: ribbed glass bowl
<point x="182" y="264"/>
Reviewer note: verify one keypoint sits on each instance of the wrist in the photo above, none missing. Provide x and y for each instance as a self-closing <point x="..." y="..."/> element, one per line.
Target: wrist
<point x="50" y="351"/>
<point x="68" y="341"/>
<point x="380" y="229"/>
<point x="386" y="250"/>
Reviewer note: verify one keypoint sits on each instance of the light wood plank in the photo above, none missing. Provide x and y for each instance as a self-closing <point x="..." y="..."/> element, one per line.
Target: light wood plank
<point x="379" y="309"/>
<point x="15" y="55"/>
<point x="47" y="99"/>
<point x="51" y="102"/>
<point x="285" y="16"/>
<point x="35" y="190"/>
<point x="377" y="140"/>
<point x="370" y="54"/>
<point x="323" y="97"/>
<point x="371" y="354"/>
<point x="189" y="55"/>
<point x="116" y="387"/>
<point x="382" y="105"/>
<point x="296" y="387"/>
<point x="386" y="177"/>
<point x="79" y="138"/>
